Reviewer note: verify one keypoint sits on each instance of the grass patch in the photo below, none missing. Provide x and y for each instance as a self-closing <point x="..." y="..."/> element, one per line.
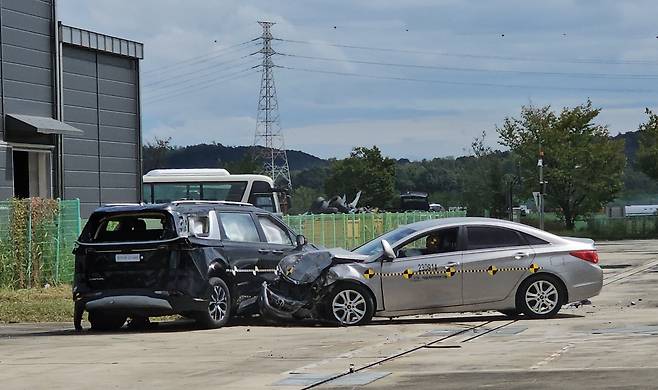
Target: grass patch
<point x="52" y="304"/>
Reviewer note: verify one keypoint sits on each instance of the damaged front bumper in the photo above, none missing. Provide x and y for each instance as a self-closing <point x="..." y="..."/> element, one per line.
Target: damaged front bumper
<point x="276" y="306"/>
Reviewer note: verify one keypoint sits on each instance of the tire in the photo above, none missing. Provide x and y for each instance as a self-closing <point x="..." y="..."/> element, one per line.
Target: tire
<point x="219" y="308"/>
<point x="540" y="297"/>
<point x="510" y="312"/>
<point x="103" y="321"/>
<point x="349" y="305"/>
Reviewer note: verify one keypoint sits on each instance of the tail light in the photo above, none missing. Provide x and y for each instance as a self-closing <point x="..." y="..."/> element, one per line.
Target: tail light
<point x="588" y="255"/>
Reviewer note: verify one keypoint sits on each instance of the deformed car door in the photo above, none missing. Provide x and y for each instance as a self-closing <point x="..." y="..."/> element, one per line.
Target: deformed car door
<point x="424" y="275"/>
<point x="495" y="259"/>
<point x="242" y="243"/>
<point x="279" y="241"/>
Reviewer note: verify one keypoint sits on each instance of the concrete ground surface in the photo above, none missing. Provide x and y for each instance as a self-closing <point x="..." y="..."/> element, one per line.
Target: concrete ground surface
<point x="612" y="343"/>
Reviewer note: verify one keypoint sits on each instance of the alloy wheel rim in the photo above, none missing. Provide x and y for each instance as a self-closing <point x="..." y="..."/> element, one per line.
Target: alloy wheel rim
<point x="349" y="307"/>
<point x="541" y="297"/>
<point x="218" y="303"/>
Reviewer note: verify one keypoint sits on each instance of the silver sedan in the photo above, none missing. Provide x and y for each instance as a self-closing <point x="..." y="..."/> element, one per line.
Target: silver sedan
<point x="442" y="265"/>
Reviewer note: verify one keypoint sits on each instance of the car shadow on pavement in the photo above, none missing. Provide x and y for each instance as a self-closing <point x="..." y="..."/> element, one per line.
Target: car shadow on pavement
<point x="187" y="325"/>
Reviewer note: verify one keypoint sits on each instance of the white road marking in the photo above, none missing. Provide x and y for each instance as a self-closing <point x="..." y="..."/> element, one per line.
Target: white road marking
<point x="552" y="357"/>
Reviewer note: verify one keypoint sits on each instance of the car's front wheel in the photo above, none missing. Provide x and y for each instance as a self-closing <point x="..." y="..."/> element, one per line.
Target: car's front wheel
<point x="540" y="296"/>
<point x="103" y="321"/>
<point x="350" y="304"/>
<point x="218" y="311"/>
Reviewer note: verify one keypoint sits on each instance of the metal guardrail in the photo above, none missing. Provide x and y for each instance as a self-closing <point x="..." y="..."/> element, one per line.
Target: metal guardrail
<point x="37" y="237"/>
<point x="351" y="230"/>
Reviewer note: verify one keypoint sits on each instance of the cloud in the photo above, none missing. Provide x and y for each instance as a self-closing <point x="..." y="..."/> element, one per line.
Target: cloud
<point x="328" y="114"/>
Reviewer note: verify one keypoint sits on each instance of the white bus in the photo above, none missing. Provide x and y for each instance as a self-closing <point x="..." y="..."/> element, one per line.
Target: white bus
<point x="168" y="185"/>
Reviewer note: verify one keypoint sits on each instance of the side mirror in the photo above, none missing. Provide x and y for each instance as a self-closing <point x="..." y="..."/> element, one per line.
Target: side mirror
<point x="389" y="254"/>
<point x="301" y="240"/>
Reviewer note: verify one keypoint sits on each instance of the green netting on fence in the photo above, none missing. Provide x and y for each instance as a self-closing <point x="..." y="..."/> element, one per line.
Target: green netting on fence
<point x="37" y="237"/>
<point x="623" y="228"/>
<point x="351" y="230"/>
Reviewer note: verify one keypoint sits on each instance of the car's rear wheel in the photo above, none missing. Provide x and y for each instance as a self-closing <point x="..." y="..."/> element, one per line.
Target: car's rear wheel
<point x="219" y="307"/>
<point x="104" y="321"/>
<point x="540" y="296"/>
<point x="350" y="304"/>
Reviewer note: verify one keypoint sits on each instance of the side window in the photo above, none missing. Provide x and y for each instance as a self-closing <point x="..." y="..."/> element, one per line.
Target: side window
<point x="483" y="237"/>
<point x="239" y="227"/>
<point x="532" y="240"/>
<point x="273" y="233"/>
<point x="263" y="201"/>
<point x="438" y="241"/>
<point x="199" y="225"/>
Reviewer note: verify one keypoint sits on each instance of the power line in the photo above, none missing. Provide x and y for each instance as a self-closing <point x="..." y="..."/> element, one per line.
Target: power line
<point x="477" y="84"/>
<point x="479" y="56"/>
<point x="460" y="69"/>
<point x="200" y="59"/>
<point x="197" y="73"/>
<point x="203" y="84"/>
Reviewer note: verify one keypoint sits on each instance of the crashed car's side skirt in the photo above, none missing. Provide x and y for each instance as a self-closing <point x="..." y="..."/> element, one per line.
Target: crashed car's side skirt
<point x="505" y="304"/>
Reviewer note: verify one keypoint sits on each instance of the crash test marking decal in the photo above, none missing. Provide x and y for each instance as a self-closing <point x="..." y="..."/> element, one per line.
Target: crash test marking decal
<point x="253" y="271"/>
<point x="445" y="271"/>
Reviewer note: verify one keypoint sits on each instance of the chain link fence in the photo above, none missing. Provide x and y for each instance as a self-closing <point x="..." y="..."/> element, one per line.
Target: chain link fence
<point x="37" y="237"/>
<point x="351" y="230"/>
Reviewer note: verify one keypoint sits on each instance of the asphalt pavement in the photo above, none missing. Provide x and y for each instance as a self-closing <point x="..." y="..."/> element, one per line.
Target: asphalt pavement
<point x="610" y="343"/>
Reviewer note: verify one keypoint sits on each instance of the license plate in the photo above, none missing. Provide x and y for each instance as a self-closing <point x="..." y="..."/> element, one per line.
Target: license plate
<point x="128" y="258"/>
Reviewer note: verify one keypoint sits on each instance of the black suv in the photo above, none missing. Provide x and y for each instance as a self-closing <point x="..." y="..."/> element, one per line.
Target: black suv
<point x="204" y="260"/>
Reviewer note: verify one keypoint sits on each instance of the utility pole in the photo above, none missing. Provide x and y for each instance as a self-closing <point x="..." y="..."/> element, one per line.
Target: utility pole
<point x="540" y="164"/>
<point x="269" y="144"/>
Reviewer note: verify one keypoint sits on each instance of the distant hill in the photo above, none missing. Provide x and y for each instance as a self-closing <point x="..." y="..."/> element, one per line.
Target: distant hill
<point x="219" y="156"/>
<point x="216" y="156"/>
<point x="631" y="143"/>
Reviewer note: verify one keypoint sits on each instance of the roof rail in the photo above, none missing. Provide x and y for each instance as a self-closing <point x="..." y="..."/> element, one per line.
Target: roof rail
<point x="224" y="202"/>
<point x="122" y="204"/>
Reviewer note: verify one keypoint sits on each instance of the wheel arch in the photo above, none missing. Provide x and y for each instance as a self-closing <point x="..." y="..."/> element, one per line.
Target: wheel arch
<point x="220" y="268"/>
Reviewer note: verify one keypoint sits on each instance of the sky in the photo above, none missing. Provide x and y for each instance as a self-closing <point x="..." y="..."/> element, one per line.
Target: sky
<point x="418" y="78"/>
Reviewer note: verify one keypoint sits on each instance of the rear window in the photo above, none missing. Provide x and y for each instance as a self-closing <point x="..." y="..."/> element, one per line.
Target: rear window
<point x="484" y="237"/>
<point x="128" y="228"/>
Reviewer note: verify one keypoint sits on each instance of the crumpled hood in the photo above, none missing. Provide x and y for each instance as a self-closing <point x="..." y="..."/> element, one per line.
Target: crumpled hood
<point x="306" y="267"/>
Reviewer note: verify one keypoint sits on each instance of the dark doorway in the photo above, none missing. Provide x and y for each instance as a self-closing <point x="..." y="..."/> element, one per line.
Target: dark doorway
<point x="21" y="174"/>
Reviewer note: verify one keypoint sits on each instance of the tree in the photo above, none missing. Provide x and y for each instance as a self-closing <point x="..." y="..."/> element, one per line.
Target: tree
<point x="365" y="170"/>
<point x="647" y="155"/>
<point x="582" y="165"/>
<point x="248" y="164"/>
<point x="485" y="185"/>
<point x="302" y="199"/>
<point x="155" y="153"/>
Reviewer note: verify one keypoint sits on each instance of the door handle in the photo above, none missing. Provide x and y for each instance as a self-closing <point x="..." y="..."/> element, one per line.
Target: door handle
<point x="520" y="255"/>
<point x="263" y="251"/>
<point x="450" y="265"/>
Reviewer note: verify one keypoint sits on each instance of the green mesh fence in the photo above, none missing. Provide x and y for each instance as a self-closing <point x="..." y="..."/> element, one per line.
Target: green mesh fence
<point x="351" y="230"/>
<point x="37" y="237"/>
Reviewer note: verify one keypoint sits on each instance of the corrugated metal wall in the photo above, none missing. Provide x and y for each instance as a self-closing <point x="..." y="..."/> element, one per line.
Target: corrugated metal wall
<point x="100" y="98"/>
<point x="27" y="68"/>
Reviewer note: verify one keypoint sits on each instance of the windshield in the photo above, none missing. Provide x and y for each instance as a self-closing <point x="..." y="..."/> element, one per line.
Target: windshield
<point x="375" y="246"/>
<point x="168" y="192"/>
